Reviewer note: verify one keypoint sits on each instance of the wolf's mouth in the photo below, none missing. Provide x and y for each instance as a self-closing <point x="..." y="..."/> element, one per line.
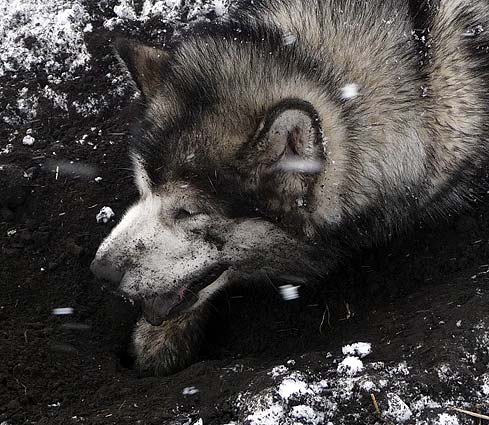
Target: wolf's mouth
<point x="189" y="294"/>
<point x="160" y="307"/>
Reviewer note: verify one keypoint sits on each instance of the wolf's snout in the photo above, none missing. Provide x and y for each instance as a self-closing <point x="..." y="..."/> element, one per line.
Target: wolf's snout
<point x="103" y="269"/>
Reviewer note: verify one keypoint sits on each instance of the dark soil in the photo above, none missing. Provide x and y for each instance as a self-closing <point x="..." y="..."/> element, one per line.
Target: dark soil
<point x="66" y="369"/>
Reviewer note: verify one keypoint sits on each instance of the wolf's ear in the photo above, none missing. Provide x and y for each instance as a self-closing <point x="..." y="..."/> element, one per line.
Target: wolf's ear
<point x="290" y="138"/>
<point x="145" y="64"/>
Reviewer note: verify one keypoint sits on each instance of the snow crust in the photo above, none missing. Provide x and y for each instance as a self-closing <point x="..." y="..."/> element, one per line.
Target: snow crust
<point x="51" y="27"/>
<point x="359" y="349"/>
<point x="346" y="382"/>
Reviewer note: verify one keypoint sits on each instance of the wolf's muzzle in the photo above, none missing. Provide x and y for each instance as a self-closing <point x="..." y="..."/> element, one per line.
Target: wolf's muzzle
<point x="105" y="270"/>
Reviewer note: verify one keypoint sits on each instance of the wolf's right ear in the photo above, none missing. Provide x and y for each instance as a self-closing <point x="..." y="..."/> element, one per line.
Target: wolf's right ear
<point x="145" y="64"/>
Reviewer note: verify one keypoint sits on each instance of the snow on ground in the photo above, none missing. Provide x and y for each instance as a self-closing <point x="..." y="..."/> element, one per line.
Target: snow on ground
<point x="49" y="40"/>
<point x="336" y="397"/>
<point x="359" y="349"/>
<point x="167" y="10"/>
<point x="35" y="33"/>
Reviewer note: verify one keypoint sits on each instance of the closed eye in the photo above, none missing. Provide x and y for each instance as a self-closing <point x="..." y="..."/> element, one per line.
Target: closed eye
<point x="182" y="214"/>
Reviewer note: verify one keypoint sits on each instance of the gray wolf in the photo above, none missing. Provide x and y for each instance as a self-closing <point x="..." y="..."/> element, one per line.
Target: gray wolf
<point x="274" y="141"/>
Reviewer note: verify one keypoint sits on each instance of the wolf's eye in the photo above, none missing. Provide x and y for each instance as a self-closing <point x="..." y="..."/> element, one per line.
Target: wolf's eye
<point x="182" y="214"/>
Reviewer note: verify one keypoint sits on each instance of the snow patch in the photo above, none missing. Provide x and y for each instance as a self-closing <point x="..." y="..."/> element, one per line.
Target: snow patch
<point x="28" y="140"/>
<point x="358" y="349"/>
<point x="165" y="10"/>
<point x="292" y="386"/>
<point x="398" y="411"/>
<point x="446" y="419"/>
<point x="267" y="414"/>
<point x="105" y="215"/>
<point x="307" y="414"/>
<point x="47" y="34"/>
<point x="278" y="371"/>
<point x="190" y="391"/>
<point x="350" y="366"/>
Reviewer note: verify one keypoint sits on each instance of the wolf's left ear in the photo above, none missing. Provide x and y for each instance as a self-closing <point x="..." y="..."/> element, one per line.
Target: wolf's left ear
<point x="290" y="138"/>
<point x="145" y="64"/>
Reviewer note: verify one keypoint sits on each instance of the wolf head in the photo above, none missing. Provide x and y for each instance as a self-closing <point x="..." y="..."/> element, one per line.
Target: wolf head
<point x="226" y="159"/>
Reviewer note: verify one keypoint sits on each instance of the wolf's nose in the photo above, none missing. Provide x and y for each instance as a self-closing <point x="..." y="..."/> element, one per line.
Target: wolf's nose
<point x="105" y="270"/>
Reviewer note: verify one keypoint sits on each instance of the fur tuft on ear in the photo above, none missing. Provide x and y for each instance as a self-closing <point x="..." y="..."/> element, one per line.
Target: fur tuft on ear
<point x="291" y="138"/>
<point x="284" y="158"/>
<point x="145" y="64"/>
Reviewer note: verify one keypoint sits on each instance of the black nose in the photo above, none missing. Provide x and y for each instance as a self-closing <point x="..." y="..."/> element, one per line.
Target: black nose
<point x="106" y="270"/>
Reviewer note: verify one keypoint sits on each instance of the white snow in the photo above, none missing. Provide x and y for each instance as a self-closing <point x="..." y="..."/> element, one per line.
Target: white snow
<point x="292" y="386"/>
<point x="28" y="140"/>
<point x="398" y="411"/>
<point x="485" y="384"/>
<point x="425" y="402"/>
<point x="60" y="100"/>
<point x="267" y="416"/>
<point x="105" y="215"/>
<point x="446" y="419"/>
<point x="278" y="371"/>
<point x="358" y="349"/>
<point x="350" y="366"/>
<point x="166" y="10"/>
<point x="49" y="37"/>
<point x="62" y="311"/>
<point x="326" y="397"/>
<point x="27" y="103"/>
<point x="350" y="91"/>
<point x="307" y="414"/>
<point x="125" y="10"/>
<point x="9" y="147"/>
<point x="190" y="391"/>
<point x="57" y="404"/>
<point x="53" y="26"/>
<point x="289" y="292"/>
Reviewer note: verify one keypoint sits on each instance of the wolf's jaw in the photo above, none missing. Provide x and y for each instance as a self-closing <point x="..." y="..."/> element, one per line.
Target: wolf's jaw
<point x="188" y="298"/>
<point x="223" y="280"/>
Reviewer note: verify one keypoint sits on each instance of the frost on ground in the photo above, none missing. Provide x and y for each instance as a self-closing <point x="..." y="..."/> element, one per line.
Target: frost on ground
<point x="167" y="10"/>
<point x="35" y="33"/>
<point x="338" y="396"/>
<point x="48" y="41"/>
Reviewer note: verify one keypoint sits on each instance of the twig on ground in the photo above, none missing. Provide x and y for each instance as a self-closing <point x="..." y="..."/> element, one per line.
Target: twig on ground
<point x="376" y="405"/>
<point x="468" y="412"/>
<point x="326" y="310"/>
<point x="379" y="413"/>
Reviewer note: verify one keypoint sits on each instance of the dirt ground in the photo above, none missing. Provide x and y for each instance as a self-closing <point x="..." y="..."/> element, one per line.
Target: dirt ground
<point x="423" y="298"/>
